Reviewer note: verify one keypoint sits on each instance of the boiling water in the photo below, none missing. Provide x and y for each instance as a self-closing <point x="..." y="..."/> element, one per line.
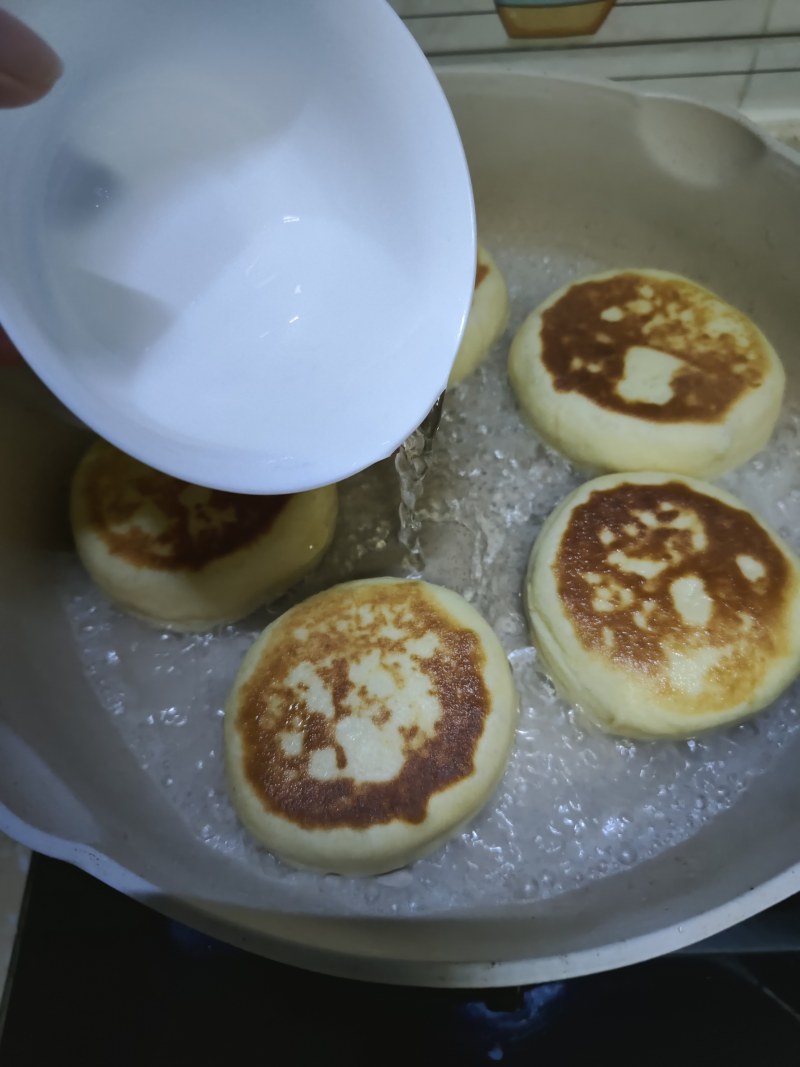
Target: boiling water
<point x="411" y="464"/>
<point x="574" y="805"/>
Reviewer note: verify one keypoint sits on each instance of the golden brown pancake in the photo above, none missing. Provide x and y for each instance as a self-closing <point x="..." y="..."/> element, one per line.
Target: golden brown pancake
<point x="487" y="318"/>
<point x="187" y="557"/>
<point x="637" y="370"/>
<point x="662" y="606"/>
<point x="367" y="724"/>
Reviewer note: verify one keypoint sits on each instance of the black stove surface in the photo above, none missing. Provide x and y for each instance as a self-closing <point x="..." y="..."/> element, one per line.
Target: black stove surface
<point x="100" y="979"/>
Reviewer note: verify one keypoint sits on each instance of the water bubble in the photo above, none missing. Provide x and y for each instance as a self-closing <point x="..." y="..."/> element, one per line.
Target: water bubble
<point x="172" y="717"/>
<point x="396" y="879"/>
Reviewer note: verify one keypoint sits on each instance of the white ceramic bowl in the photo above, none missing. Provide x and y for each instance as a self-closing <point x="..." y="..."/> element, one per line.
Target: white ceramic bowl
<point x="238" y="239"/>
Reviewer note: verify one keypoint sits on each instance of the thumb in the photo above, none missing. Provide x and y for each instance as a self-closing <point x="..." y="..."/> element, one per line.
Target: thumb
<point x="9" y="356"/>
<point x="28" y="66"/>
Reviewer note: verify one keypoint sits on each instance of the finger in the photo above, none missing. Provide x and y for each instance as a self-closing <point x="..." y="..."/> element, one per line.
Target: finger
<point x="28" y="65"/>
<point x="8" y="353"/>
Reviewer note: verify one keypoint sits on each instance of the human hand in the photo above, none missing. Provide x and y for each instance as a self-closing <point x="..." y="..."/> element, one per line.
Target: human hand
<point x="28" y="65"/>
<point x="8" y="353"/>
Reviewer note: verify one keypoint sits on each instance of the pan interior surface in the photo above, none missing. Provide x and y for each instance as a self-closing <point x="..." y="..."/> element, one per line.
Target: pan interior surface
<point x="594" y="851"/>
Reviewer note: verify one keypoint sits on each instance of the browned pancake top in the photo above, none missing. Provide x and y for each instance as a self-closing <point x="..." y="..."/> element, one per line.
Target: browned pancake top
<point x="337" y="631"/>
<point x="481" y="271"/>
<point x="618" y="563"/>
<point x="152" y="520"/>
<point x="588" y="332"/>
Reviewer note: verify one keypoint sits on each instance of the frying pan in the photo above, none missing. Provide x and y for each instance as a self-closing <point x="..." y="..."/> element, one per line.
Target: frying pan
<point x="591" y="173"/>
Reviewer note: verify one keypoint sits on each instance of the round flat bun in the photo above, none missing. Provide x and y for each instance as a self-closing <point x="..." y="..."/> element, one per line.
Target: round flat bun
<point x="189" y="558"/>
<point x="488" y="316"/>
<point x="662" y="606"/>
<point x="645" y="370"/>
<point x="367" y="725"/>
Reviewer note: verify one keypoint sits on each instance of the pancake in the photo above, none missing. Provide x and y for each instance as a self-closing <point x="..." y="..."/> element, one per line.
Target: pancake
<point x="662" y="606"/>
<point x="367" y="725"/>
<point x="645" y="370"/>
<point x="488" y="316"/>
<point x="189" y="558"/>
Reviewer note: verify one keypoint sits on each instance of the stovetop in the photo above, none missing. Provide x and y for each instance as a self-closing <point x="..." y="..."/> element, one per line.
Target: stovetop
<point x="103" y="980"/>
